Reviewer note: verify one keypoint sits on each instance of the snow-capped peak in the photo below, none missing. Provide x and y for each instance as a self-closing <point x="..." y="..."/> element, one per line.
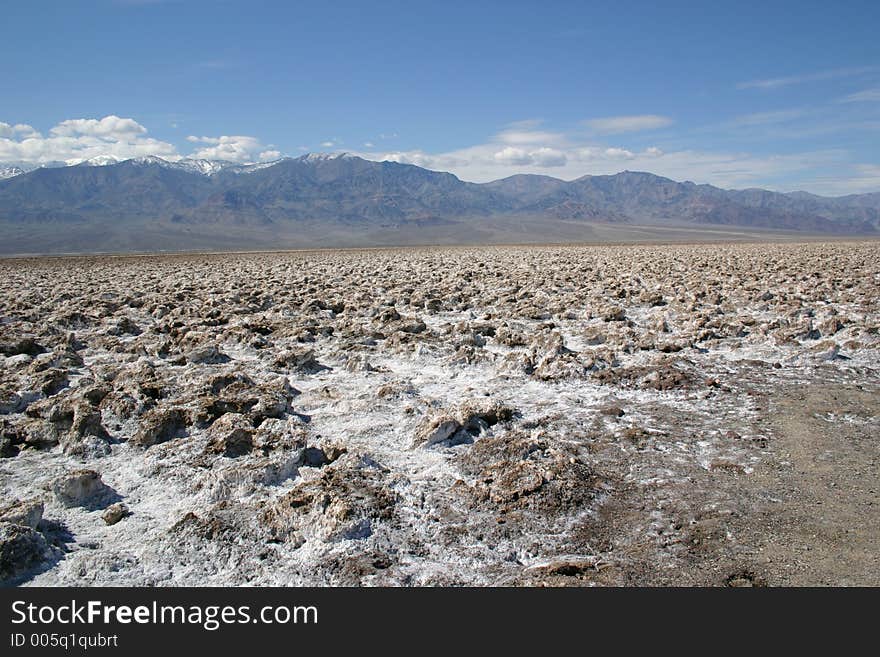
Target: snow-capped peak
<point x="99" y="161"/>
<point x="323" y="157"/>
<point x="204" y="167"/>
<point x="201" y="166"/>
<point x="198" y="166"/>
<point x="250" y="168"/>
<point x="151" y="159"/>
<point x="10" y="171"/>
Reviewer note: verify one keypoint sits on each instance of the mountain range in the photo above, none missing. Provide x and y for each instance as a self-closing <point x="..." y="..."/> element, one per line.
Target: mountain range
<point x="344" y="200"/>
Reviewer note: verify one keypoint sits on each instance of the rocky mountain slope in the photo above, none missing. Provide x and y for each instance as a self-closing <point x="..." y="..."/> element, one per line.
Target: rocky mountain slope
<point x="315" y="194"/>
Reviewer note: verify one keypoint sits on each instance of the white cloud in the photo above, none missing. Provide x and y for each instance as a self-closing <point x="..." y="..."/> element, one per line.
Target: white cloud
<point x="548" y="157"/>
<point x="570" y="156"/>
<point x="419" y="158"/>
<point x="75" y="140"/>
<point x="512" y="155"/>
<point x="233" y="148"/>
<point x="493" y="160"/>
<point x="833" y="74"/>
<point x="110" y="127"/>
<point x="619" y="154"/>
<point x="369" y="144"/>
<point x="328" y="144"/>
<point x="541" y="157"/>
<point x="613" y="125"/>
<point x="19" y="131"/>
<point x="866" y="96"/>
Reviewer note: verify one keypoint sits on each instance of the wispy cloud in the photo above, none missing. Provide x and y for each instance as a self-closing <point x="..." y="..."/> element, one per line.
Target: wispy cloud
<point x="613" y="125"/>
<point x="819" y="76"/>
<point x="809" y="122"/>
<point x="526" y="137"/>
<point x="766" y="118"/>
<point x="525" y="124"/>
<point x="855" y="179"/>
<point x="866" y="96"/>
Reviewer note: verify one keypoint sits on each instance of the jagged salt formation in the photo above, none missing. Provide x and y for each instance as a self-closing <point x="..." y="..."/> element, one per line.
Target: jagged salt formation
<point x="421" y="416"/>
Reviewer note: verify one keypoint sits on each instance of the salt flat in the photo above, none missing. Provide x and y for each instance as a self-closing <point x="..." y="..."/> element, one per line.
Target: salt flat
<point x="565" y="415"/>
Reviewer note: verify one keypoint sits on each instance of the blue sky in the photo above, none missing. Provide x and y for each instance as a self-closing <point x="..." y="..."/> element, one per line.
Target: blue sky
<point x="784" y="95"/>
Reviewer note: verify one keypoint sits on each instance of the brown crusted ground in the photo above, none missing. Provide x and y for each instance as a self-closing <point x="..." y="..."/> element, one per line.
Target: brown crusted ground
<point x="565" y="416"/>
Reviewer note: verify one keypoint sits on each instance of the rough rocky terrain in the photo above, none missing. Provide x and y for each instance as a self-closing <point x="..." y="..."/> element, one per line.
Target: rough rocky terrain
<point x="611" y="415"/>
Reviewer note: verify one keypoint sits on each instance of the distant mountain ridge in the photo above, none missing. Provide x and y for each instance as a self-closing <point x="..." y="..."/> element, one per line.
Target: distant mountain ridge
<point x="349" y="193"/>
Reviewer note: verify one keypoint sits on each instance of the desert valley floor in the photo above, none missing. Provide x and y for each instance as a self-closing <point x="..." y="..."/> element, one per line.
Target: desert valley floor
<point x="565" y="415"/>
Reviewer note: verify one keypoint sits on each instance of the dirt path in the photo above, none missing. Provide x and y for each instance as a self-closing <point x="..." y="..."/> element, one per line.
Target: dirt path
<point x="821" y="521"/>
<point x="807" y="515"/>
